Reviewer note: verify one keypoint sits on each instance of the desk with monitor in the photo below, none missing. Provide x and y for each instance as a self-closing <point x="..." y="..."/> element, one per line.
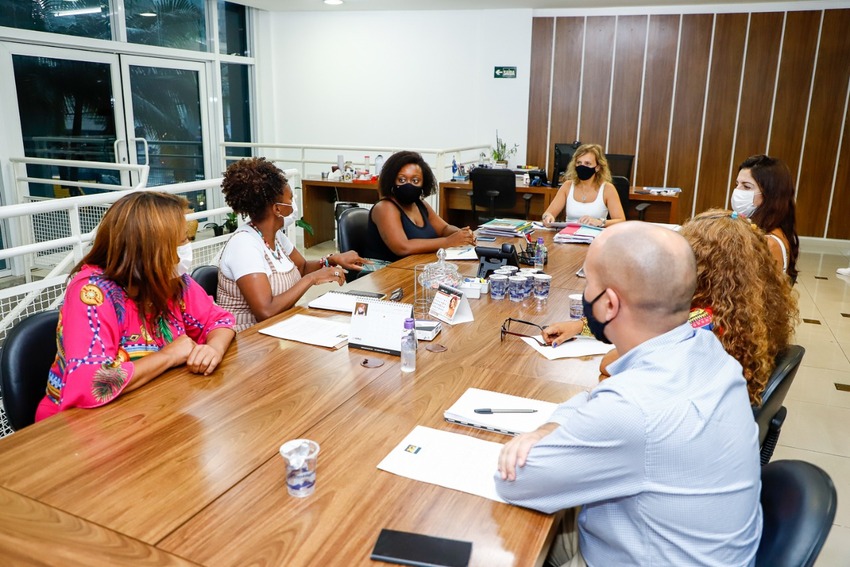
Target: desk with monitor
<point x="187" y="466"/>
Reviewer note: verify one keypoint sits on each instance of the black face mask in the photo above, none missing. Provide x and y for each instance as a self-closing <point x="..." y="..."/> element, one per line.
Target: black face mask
<point x="596" y="326"/>
<point x="407" y="193"/>
<point x="584" y="173"/>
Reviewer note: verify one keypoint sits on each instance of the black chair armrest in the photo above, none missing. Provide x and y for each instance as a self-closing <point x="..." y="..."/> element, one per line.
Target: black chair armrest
<point x="772" y="438"/>
<point x="642" y="207"/>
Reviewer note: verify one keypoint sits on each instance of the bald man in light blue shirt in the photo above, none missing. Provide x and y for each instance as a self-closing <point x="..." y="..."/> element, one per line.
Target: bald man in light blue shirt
<point x="662" y="457"/>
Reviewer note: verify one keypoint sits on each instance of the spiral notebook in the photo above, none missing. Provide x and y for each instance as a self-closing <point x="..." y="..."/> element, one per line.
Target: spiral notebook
<point x="377" y="325"/>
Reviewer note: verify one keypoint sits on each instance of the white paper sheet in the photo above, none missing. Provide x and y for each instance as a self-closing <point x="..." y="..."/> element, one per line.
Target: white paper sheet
<point x="463" y="412"/>
<point x="582" y="346"/>
<point x="461" y="253"/>
<point x="446" y="459"/>
<point x="310" y="330"/>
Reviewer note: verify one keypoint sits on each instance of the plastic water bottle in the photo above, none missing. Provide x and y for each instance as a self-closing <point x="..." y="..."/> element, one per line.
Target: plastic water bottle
<point x="408" y="346"/>
<point x="540" y="255"/>
<point x="379" y="164"/>
<point x="366" y="164"/>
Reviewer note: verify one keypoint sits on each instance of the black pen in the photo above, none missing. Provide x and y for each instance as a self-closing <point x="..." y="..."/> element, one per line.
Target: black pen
<point x="489" y="410"/>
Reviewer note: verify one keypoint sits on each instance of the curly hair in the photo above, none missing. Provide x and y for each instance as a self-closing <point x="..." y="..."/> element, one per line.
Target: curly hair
<point x="604" y="173"/>
<point x="778" y="209"/>
<point x="394" y="163"/>
<point x="754" y="308"/>
<point x="251" y="185"/>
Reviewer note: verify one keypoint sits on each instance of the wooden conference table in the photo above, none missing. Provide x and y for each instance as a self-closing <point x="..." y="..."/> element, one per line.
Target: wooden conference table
<point x="318" y="198"/>
<point x="186" y="468"/>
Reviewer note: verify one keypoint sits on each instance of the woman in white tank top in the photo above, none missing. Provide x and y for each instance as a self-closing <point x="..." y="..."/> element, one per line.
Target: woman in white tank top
<point x="588" y="194"/>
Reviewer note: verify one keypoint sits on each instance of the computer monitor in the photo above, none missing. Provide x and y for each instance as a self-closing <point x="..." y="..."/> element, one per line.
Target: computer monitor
<point x="621" y="165"/>
<point x="563" y="154"/>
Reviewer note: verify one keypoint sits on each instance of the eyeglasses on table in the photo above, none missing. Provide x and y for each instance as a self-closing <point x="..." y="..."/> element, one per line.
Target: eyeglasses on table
<point x="523" y="325"/>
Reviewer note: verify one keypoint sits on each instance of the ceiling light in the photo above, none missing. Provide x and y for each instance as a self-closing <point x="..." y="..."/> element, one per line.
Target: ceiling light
<point x="333" y="2"/>
<point x="80" y="12"/>
<point x="148" y="14"/>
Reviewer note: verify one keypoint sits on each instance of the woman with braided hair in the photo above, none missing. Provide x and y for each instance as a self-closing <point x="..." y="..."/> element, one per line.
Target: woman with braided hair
<point x="261" y="273"/>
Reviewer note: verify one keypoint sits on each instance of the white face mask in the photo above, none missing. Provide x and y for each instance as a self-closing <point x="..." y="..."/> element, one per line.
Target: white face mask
<point x="742" y="202"/>
<point x="289" y="219"/>
<point x="184" y="252"/>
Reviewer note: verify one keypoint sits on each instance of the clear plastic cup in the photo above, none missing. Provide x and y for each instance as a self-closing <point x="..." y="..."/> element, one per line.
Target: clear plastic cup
<point x="516" y="288"/>
<point x="498" y="286"/>
<point x="300" y="456"/>
<point x="576" y="306"/>
<point x="542" y="283"/>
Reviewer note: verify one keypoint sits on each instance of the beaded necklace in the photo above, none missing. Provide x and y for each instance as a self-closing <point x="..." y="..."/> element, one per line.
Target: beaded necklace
<point x="276" y="252"/>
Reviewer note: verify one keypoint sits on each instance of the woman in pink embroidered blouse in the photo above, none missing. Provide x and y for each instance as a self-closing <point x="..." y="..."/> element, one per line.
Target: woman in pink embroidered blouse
<point x="130" y="311"/>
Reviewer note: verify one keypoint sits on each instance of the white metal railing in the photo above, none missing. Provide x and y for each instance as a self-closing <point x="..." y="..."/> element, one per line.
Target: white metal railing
<point x="314" y="159"/>
<point x="30" y="297"/>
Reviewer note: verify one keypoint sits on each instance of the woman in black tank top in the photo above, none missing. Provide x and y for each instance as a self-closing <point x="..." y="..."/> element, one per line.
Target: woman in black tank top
<point x="402" y="223"/>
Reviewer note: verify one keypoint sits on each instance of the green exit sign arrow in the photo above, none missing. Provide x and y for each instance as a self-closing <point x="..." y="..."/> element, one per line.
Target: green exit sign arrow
<point x="504" y="72"/>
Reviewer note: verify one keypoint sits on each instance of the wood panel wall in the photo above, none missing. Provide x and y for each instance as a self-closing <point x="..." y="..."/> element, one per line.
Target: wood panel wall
<point x="693" y="95"/>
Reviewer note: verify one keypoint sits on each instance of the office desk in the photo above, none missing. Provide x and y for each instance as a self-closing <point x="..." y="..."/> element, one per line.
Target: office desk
<point x="188" y="465"/>
<point x="456" y="208"/>
<point x="665" y="208"/>
<point x="317" y="200"/>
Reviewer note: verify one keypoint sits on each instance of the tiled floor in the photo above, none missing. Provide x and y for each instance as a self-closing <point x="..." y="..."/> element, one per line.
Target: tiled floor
<point x="816" y="429"/>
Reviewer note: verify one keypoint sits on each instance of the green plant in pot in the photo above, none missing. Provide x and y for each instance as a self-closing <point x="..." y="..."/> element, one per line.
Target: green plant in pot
<point x="501" y="151"/>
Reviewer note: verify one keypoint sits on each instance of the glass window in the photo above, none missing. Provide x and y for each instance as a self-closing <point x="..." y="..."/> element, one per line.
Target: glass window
<point x="232" y="29"/>
<point x="167" y="23"/>
<point x="66" y="113"/>
<point x="87" y="18"/>
<point x="236" y="106"/>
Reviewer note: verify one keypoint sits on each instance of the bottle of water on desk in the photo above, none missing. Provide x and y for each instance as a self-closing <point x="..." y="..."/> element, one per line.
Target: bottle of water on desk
<point x="540" y="255"/>
<point x="408" y="346"/>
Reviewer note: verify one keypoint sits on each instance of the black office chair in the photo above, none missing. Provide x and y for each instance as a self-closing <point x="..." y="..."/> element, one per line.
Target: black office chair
<point x="352" y="233"/>
<point x="798" y="503"/>
<point x="771" y="414"/>
<point x="207" y="278"/>
<point x="623" y="186"/>
<point x="621" y="165"/>
<point x="496" y="190"/>
<point x="27" y="354"/>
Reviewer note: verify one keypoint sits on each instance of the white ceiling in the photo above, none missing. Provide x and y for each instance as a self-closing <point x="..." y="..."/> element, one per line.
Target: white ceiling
<point x="365" y="5"/>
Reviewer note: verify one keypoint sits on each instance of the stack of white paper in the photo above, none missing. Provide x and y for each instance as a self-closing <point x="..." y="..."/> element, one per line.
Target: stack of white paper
<point x="463" y="412"/>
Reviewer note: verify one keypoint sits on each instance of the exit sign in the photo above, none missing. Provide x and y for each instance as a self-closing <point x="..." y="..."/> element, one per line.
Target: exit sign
<point x="504" y="72"/>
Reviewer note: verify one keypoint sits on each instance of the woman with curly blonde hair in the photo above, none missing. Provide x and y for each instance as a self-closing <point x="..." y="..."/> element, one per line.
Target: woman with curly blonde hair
<point x="753" y="310"/>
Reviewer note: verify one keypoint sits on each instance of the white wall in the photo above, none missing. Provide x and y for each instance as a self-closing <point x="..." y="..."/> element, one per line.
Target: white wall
<point x="405" y="79"/>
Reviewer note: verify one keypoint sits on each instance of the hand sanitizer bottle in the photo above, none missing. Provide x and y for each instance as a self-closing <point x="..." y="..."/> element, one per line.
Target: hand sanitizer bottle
<point x="408" y="346"/>
<point x="540" y="255"/>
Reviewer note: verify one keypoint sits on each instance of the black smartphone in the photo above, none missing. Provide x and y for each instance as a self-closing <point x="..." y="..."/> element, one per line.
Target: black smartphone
<point x="486" y="238"/>
<point x="404" y="548"/>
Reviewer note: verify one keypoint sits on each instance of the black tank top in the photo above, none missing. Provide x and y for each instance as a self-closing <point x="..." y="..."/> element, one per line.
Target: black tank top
<point x="377" y="249"/>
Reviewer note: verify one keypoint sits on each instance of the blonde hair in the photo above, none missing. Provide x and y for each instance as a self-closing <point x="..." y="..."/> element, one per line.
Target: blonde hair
<point x="604" y="173"/>
<point x="754" y="308"/>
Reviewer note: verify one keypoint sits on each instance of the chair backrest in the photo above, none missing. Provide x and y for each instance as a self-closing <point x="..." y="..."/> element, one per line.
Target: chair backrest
<point x="352" y="229"/>
<point x="500" y="181"/>
<point x="621" y="164"/>
<point x="27" y="355"/>
<point x="787" y="364"/>
<point x="207" y="278"/>
<point x="622" y="185"/>
<point x="798" y="502"/>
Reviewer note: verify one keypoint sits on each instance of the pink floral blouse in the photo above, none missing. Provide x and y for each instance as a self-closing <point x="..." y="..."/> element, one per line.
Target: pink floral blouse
<point x="100" y="334"/>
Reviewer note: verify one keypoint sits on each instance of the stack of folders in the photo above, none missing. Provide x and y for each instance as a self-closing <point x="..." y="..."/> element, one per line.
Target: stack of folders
<point x="343" y="301"/>
<point x="506" y="227"/>
<point x="577" y="233"/>
<point x="502" y="413"/>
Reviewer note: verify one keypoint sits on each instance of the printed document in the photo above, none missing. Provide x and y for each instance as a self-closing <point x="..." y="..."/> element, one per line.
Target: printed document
<point x="446" y="459"/>
<point x="581" y="346"/>
<point x="310" y="330"/>
<point x="463" y="412"/>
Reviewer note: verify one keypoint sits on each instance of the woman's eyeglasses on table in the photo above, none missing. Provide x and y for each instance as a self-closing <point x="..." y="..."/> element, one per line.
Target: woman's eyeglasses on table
<point x="506" y="330"/>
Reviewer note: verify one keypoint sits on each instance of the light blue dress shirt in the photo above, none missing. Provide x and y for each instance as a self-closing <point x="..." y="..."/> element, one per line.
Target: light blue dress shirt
<point x="663" y="456"/>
